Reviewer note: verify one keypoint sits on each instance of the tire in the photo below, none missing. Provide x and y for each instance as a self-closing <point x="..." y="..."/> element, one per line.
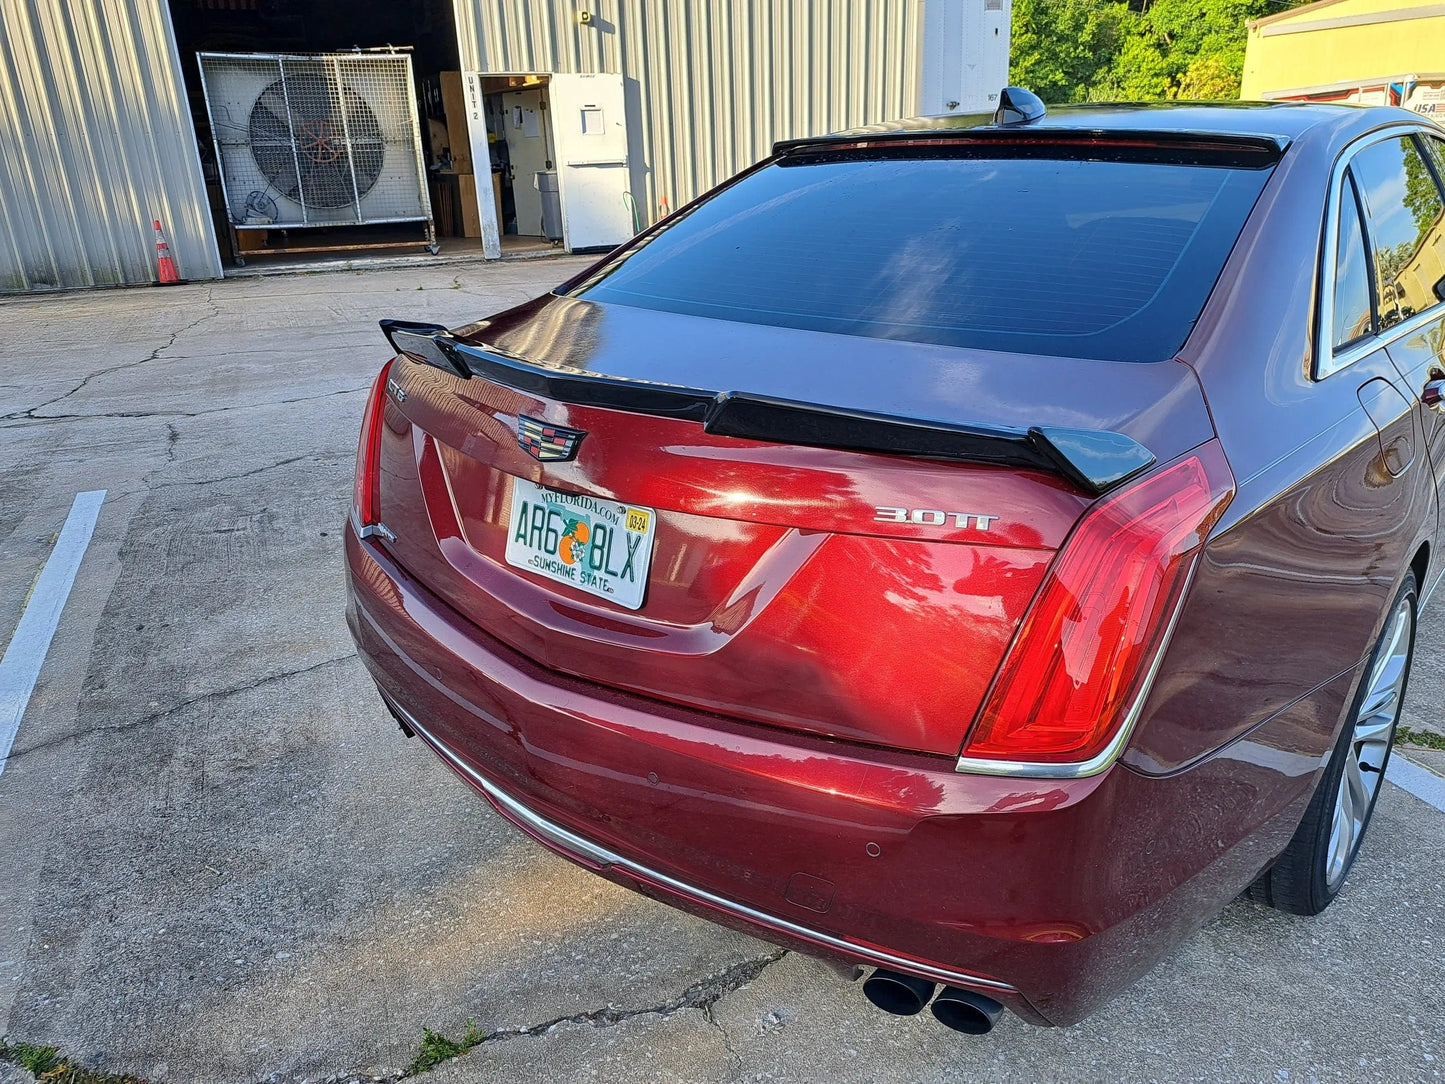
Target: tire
<point x="1307" y="877"/>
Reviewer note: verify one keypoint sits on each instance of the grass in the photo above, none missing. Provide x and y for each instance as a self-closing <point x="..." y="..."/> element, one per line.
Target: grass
<point x="1424" y="739"/>
<point x="48" y="1066"/>
<point x="437" y="1048"/>
<point x="38" y="1059"/>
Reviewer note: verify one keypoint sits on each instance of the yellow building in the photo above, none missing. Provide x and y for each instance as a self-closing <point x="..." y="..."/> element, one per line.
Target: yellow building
<point x="1368" y="51"/>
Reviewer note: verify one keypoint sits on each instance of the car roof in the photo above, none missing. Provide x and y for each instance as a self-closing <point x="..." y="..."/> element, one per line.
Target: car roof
<point x="1280" y="123"/>
<point x="1283" y="120"/>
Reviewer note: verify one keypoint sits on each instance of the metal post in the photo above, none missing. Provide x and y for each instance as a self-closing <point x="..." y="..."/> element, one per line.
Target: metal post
<point x="425" y="193"/>
<point x="346" y="133"/>
<point x="220" y="168"/>
<point x="482" y="158"/>
<point x="291" y="127"/>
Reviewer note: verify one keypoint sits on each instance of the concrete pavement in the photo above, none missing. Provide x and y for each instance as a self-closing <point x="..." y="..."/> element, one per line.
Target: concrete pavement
<point x="223" y="863"/>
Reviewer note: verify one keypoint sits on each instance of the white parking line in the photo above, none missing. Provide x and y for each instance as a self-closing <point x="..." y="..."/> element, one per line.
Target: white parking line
<point x="1421" y="782"/>
<point x="20" y="668"/>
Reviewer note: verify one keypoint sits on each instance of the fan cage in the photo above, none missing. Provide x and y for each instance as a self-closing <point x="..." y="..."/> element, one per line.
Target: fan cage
<point x="316" y="140"/>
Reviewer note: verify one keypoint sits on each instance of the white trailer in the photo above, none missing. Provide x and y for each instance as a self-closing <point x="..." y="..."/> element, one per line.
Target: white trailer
<point x="965" y="55"/>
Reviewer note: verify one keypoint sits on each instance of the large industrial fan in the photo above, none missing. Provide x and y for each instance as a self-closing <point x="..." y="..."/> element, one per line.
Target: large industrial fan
<point x="308" y="141"/>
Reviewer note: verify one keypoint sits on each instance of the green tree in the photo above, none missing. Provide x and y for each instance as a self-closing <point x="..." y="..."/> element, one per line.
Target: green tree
<point x="1421" y="195"/>
<point x="1389" y="262"/>
<point x="1133" y="50"/>
<point x="1061" y="47"/>
<point x="1139" y="72"/>
<point x="1209" y="78"/>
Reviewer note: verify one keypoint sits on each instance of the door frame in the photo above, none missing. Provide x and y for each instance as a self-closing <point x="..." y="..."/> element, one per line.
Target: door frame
<point x="477" y="134"/>
<point x="482" y="152"/>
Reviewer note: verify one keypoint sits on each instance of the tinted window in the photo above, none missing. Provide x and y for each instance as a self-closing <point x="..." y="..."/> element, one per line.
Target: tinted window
<point x="1352" y="273"/>
<point x="1436" y="147"/>
<point x="1103" y="259"/>
<point x="1403" y="205"/>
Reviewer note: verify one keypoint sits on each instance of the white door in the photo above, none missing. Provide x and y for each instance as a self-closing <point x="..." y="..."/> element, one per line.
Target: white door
<point x="590" y="134"/>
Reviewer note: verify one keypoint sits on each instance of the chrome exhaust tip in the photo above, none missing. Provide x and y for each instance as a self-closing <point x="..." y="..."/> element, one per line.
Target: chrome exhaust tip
<point x="902" y="995"/>
<point x="966" y="1010"/>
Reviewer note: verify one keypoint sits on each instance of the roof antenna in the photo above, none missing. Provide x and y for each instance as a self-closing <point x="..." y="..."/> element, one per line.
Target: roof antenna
<point x="1018" y="106"/>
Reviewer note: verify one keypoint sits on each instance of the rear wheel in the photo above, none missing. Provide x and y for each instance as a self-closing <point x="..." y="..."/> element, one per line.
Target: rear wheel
<point x="1311" y="872"/>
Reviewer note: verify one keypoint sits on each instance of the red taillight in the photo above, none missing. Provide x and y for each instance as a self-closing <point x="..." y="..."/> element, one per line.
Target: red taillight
<point x="1100" y="618"/>
<point x="368" y="452"/>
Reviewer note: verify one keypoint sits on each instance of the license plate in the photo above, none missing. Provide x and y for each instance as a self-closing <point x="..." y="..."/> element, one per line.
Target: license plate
<point x="594" y="545"/>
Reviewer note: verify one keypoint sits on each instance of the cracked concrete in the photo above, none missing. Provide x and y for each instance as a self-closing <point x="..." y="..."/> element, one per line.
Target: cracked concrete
<point x="223" y="864"/>
<point x="701" y="995"/>
<point x="216" y="695"/>
<point x="154" y="355"/>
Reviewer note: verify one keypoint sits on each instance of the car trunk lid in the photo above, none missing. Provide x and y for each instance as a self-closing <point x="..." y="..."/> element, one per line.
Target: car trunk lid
<point x="855" y="594"/>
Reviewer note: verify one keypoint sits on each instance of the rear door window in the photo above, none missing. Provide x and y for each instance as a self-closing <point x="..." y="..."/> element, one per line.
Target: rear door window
<point x="1108" y="257"/>
<point x="1404" y="212"/>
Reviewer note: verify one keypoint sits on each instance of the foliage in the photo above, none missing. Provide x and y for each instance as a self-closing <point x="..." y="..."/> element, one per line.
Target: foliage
<point x="437" y="1048"/>
<point x="1132" y="50"/>
<point x="1389" y="262"/>
<point x="1210" y="77"/>
<point x="1421" y="195"/>
<point x="48" y="1066"/>
<point x="1426" y="739"/>
<point x="1057" y="45"/>
<point x="39" y="1060"/>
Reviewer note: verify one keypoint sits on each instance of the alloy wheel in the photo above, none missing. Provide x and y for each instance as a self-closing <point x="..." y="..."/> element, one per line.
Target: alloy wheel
<point x="1374" y="733"/>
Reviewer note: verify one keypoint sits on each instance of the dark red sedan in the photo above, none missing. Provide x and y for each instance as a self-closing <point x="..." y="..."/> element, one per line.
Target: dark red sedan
<point x="974" y="549"/>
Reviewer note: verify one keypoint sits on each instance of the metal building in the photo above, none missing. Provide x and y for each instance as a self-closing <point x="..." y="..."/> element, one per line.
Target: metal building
<point x="634" y="107"/>
<point x="1370" y="52"/>
<point x="95" y="143"/>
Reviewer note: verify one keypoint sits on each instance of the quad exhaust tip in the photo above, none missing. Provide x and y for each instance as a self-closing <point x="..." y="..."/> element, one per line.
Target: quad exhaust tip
<point x="966" y="1010"/>
<point x="902" y="995"/>
<point x="962" y="1010"/>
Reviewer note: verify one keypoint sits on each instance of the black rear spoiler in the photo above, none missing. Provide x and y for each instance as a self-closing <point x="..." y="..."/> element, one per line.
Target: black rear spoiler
<point x="1240" y="149"/>
<point x="1096" y="460"/>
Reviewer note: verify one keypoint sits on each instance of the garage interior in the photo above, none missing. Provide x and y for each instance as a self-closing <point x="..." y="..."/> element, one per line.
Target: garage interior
<point x="518" y="134"/>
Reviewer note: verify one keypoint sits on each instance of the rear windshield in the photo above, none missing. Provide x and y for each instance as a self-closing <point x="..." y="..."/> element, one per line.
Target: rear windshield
<point x="1099" y="259"/>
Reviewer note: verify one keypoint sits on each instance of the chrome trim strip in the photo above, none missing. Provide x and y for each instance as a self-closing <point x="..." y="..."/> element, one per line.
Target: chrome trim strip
<point x="1365" y="347"/>
<point x="1327" y="360"/>
<point x="377" y="530"/>
<point x="1105" y="759"/>
<point x="571" y="843"/>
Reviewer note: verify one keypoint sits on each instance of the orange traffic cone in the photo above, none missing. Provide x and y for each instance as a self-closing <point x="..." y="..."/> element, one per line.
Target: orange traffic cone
<point x="168" y="272"/>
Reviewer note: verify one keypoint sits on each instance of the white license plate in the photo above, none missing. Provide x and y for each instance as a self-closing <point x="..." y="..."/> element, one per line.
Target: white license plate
<point x="594" y="545"/>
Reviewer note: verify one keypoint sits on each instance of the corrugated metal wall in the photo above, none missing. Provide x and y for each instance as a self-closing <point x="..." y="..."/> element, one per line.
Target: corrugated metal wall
<point x="712" y="83"/>
<point x="95" y="142"/>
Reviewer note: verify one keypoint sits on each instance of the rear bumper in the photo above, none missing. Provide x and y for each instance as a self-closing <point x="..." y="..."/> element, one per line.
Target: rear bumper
<point x="596" y="857"/>
<point x="1049" y="895"/>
